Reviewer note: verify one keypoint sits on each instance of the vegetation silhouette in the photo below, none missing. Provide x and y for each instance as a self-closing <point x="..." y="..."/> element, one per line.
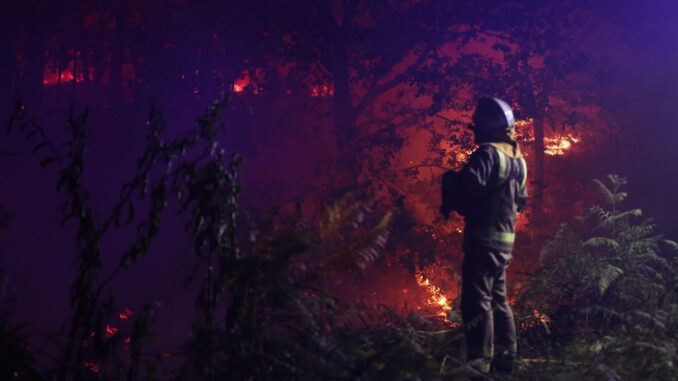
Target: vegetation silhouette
<point x="602" y="304"/>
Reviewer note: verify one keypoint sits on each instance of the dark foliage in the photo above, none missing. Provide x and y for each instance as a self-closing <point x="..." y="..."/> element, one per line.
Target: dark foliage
<point x="608" y="290"/>
<point x="603" y="304"/>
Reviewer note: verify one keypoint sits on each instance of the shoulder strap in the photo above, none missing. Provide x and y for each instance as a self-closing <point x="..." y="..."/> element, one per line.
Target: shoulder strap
<point x="502" y="171"/>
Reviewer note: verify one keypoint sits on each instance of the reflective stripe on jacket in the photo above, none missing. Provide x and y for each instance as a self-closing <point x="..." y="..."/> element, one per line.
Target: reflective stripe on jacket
<point x="491" y="190"/>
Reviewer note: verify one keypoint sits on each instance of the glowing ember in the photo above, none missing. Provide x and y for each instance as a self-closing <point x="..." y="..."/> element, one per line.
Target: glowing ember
<point x="110" y="331"/>
<point x="51" y="75"/>
<point x="126" y="314"/>
<point x="321" y="91"/>
<point x="537" y="319"/>
<point x="127" y="341"/>
<point x="540" y="316"/>
<point x="523" y="122"/>
<point x="437" y="299"/>
<point x="242" y="82"/>
<point x="94" y="367"/>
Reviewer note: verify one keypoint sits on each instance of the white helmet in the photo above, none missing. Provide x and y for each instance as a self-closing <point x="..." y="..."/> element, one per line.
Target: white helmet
<point x="492" y="116"/>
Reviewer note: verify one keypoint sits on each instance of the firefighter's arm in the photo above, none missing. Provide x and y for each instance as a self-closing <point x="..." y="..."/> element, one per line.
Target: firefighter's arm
<point x="474" y="179"/>
<point x="522" y="198"/>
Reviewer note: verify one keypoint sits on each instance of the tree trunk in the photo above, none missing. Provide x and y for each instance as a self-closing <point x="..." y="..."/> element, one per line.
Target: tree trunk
<point x="117" y="56"/>
<point x="541" y="104"/>
<point x="343" y="110"/>
<point x="34" y="47"/>
<point x="9" y="60"/>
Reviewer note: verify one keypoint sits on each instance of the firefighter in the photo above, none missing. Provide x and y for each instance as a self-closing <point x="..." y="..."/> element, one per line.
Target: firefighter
<point x="489" y="191"/>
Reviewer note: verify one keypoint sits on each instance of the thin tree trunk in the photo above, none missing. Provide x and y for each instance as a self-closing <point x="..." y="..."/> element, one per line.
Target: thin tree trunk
<point x="343" y="110"/>
<point x="117" y="56"/>
<point x="34" y="55"/>
<point x="538" y="129"/>
<point x="9" y="61"/>
<point x="58" y="85"/>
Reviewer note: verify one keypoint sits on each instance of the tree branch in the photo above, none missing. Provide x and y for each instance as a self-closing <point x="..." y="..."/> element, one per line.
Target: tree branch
<point x="375" y="91"/>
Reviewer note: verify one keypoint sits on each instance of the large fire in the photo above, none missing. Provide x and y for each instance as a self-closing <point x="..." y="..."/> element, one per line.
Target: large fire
<point x="558" y="145"/>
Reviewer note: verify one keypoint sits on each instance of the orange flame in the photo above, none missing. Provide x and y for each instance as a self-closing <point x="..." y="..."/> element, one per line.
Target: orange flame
<point x="94" y="367"/>
<point x="538" y="318"/>
<point x="437" y="298"/>
<point x="559" y="145"/>
<point x="541" y="317"/>
<point x="110" y="331"/>
<point x="126" y="314"/>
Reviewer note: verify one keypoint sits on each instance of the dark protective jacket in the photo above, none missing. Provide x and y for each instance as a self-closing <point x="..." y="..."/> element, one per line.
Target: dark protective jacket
<point x="488" y="192"/>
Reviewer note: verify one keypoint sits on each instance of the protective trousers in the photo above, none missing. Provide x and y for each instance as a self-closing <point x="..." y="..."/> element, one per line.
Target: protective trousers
<point x="487" y="316"/>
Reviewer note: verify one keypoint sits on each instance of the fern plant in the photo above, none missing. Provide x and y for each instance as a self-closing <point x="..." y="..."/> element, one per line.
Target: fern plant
<point x="609" y="289"/>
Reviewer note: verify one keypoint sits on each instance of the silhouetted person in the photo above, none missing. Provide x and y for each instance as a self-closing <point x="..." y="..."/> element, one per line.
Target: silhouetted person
<point x="488" y="192"/>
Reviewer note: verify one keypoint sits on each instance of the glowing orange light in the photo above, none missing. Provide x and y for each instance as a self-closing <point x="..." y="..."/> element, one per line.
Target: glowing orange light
<point x="539" y="319"/>
<point x="126" y="314"/>
<point x="127" y="341"/>
<point x="110" y="331"/>
<point x="437" y="299"/>
<point x="52" y="77"/>
<point x="557" y="146"/>
<point x="94" y="367"/>
<point x="321" y="91"/>
<point x="240" y="83"/>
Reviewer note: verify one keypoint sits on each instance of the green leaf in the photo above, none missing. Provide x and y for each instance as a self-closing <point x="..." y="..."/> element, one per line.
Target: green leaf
<point x="607" y="276"/>
<point x="673" y="245"/>
<point x="602" y="241"/>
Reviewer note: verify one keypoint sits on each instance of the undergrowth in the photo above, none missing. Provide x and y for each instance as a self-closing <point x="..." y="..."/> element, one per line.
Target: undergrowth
<point x="602" y="305"/>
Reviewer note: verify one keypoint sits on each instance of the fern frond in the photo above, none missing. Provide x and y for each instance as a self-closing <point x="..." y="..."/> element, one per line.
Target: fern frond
<point x="617" y="181"/>
<point x="629" y="213"/>
<point x="607" y="276"/>
<point x="602" y="242"/>
<point x="641" y="251"/>
<point x="648" y="271"/>
<point x="338" y="215"/>
<point x="363" y="249"/>
<point x="652" y="318"/>
<point x="566" y="243"/>
<point x="601" y="214"/>
<point x="673" y="245"/>
<point x="636" y="232"/>
<point x="608" y="195"/>
<point x="604" y="314"/>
